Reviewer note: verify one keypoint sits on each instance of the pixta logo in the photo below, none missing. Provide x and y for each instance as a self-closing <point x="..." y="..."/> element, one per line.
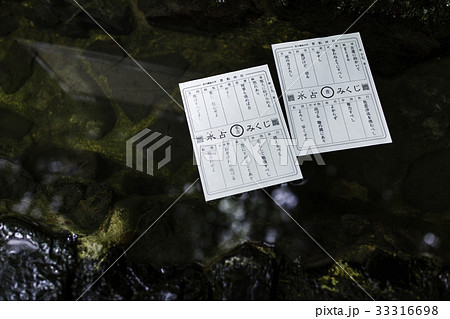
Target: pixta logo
<point x="257" y="151"/>
<point x="144" y="144"/>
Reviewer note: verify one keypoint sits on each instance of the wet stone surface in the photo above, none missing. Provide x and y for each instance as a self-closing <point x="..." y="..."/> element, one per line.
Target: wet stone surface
<point x="246" y="273"/>
<point x="256" y="272"/>
<point x="33" y="265"/>
<point x="142" y="282"/>
<point x="49" y="270"/>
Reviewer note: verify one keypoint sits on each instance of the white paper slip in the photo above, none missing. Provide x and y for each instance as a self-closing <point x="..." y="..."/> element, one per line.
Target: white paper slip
<point x="241" y="142"/>
<point x="329" y="93"/>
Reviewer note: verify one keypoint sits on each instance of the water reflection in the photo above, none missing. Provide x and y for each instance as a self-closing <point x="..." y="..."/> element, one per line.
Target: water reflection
<point x="15" y="246"/>
<point x="24" y="204"/>
<point x="271" y="236"/>
<point x="284" y="197"/>
<point x="126" y="80"/>
<point x="431" y="240"/>
<point x="239" y="228"/>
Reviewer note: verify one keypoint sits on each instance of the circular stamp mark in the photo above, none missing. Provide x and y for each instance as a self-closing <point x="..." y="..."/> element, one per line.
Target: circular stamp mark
<point x="327" y="92"/>
<point x="237" y="130"/>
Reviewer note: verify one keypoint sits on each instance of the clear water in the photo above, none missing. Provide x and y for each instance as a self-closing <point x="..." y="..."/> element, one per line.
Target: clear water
<point x="71" y="98"/>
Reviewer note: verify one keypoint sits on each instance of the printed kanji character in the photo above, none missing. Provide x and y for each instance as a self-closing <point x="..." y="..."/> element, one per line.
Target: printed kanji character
<point x="210" y="136"/>
<point x="301" y="96"/>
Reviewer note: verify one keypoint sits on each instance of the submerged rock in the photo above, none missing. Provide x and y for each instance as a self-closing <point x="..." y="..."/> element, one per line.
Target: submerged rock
<point x="15" y="181"/>
<point x="84" y="205"/>
<point x="69" y="186"/>
<point x="431" y="11"/>
<point x="392" y="44"/>
<point x="141" y="282"/>
<point x="136" y="92"/>
<point x="47" y="163"/>
<point x="33" y="265"/>
<point x="383" y="275"/>
<point x="355" y="225"/>
<point x="134" y="182"/>
<point x="418" y="99"/>
<point x="70" y="20"/>
<point x="190" y="231"/>
<point x="246" y="273"/>
<point x="82" y="91"/>
<point x="202" y="15"/>
<point x="340" y="210"/>
<point x="97" y="118"/>
<point x="7" y="22"/>
<point x="13" y="125"/>
<point x="388" y="269"/>
<point x="444" y="277"/>
<point x="187" y="282"/>
<point x="15" y="68"/>
<point x="427" y="183"/>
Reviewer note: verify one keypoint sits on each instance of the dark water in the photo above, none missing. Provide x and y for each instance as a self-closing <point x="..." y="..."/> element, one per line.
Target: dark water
<point x="69" y="206"/>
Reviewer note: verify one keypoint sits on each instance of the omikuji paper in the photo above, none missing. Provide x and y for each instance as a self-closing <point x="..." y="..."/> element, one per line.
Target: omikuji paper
<point x="241" y="141"/>
<point x="329" y="93"/>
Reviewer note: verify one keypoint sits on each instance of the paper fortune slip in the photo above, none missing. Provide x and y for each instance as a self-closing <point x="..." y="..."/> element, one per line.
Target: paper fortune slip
<point x="240" y="138"/>
<point x="329" y="93"/>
